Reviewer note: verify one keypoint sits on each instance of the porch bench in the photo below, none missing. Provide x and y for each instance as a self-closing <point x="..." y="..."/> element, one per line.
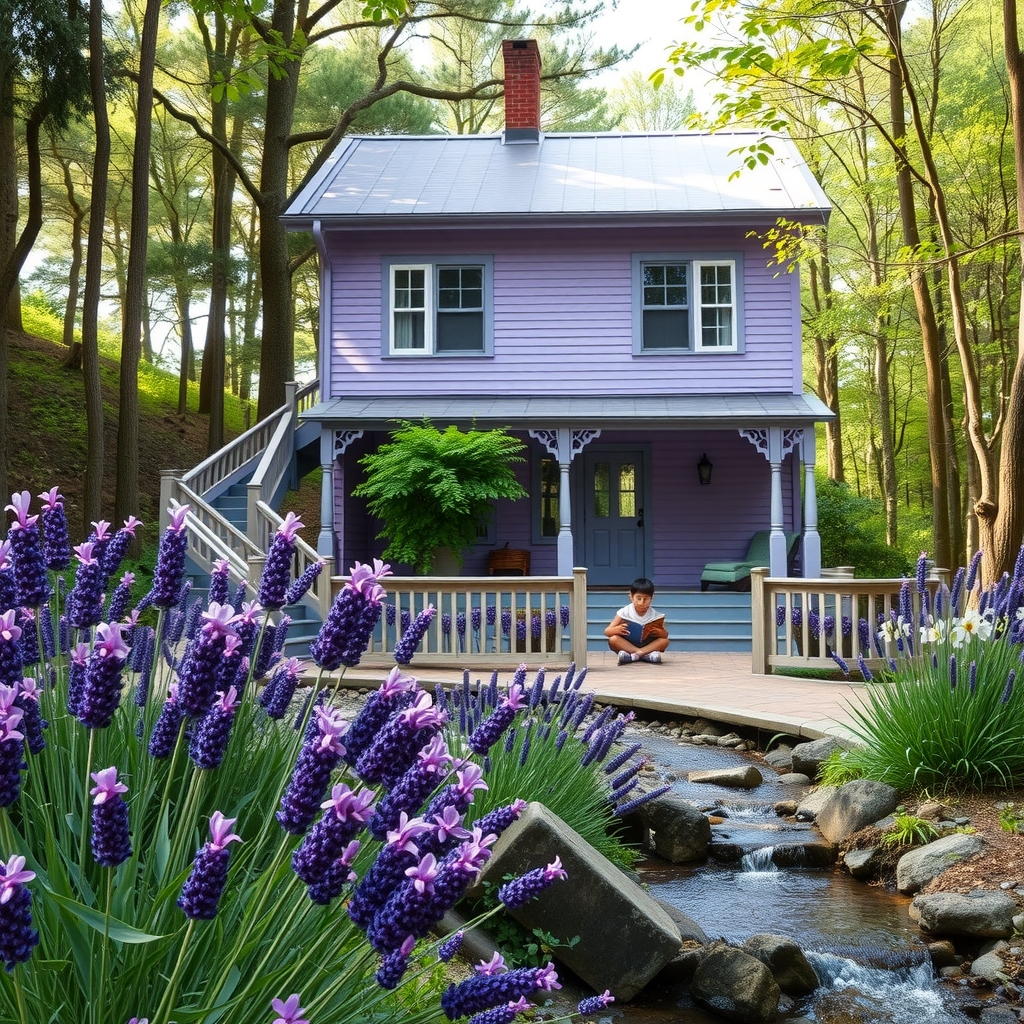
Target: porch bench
<point x="736" y="575"/>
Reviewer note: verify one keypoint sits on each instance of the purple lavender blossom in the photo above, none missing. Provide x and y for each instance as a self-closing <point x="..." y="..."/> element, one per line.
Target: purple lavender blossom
<point x="32" y="722"/>
<point x="277" y="568"/>
<point x="865" y="672"/>
<point x="535" y="627"/>
<point x="621" y="758"/>
<point x="76" y="676"/>
<point x="521" y="630"/>
<point x="504" y="1014"/>
<point x="111" y="844"/>
<point x="146" y="641"/>
<point x="595" y="1004"/>
<point x="492" y="614"/>
<point x="780" y="615"/>
<point x="12" y="743"/>
<point x="446" y="625"/>
<point x="399" y="852"/>
<point x="405" y="619"/>
<point x="289" y="1010"/>
<point x="56" y="545"/>
<point x="624" y="810"/>
<point x="397" y="743"/>
<point x="349" y="625"/>
<point x="487" y="734"/>
<point x="209" y="740"/>
<point x="906" y="608"/>
<point x="411" y="637"/>
<point x="101" y="689"/>
<point x="197" y="677"/>
<point x="474" y="620"/>
<point x="395" y="693"/>
<point x="170" y="560"/>
<point x="17" y="936"/>
<point x="312" y="773"/>
<point x="298" y="590"/>
<point x="394" y="963"/>
<point x="419" y="780"/>
<point x="483" y="991"/>
<point x="8" y="589"/>
<point x="192" y="620"/>
<point x="204" y="886"/>
<point x="450" y="947"/>
<point x="120" y="598"/>
<point x="972" y="572"/>
<point x="29" y="642"/>
<point x="31" y="586"/>
<point x="1008" y="688"/>
<point x="168" y="726"/>
<point x="117" y="547"/>
<point x="219" y="581"/>
<point x="85" y="602"/>
<point x="330" y="839"/>
<point x="524" y="888"/>
<point x="390" y="614"/>
<point x="278" y="693"/>
<point x="506" y="621"/>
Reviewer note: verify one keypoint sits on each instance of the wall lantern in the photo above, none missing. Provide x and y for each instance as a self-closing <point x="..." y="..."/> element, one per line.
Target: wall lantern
<point x="704" y="468"/>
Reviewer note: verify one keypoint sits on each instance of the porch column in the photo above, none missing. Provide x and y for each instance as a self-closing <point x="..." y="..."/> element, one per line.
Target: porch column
<point x="565" y="558"/>
<point x="811" y="555"/>
<point x="325" y="538"/>
<point x="334" y="448"/>
<point x="777" y="540"/>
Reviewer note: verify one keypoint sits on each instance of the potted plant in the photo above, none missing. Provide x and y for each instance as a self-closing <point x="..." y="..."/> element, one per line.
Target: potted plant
<point x="433" y="488"/>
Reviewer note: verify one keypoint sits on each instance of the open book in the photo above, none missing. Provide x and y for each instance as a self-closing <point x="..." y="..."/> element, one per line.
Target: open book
<point x="639" y="634"/>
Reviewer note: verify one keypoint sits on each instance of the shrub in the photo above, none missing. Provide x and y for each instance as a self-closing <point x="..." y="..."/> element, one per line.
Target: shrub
<point x="908" y="830"/>
<point x="844" y="520"/>
<point x="118" y="901"/>
<point x="947" y="711"/>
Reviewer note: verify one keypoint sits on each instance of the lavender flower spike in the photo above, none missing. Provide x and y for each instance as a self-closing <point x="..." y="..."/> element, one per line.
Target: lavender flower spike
<point x="170" y="561"/>
<point x="56" y="545"/>
<point x="288" y="1010"/>
<point x="277" y="568"/>
<point x="521" y="890"/>
<point x="111" y="844"/>
<point x="406" y="647"/>
<point x="298" y="589"/>
<point x="17" y="936"/>
<point x="202" y="890"/>
<point x="595" y="1004"/>
<point x="346" y="631"/>
<point x="494" y="725"/>
<point x="312" y="773"/>
<point x="31" y="585"/>
<point x="101" y="690"/>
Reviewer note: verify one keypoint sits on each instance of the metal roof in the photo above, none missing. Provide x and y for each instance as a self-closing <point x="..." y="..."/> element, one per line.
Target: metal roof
<point x="685" y="173"/>
<point x="653" y="412"/>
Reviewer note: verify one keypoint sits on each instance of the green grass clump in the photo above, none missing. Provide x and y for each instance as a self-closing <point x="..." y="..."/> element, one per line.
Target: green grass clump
<point x="909" y="830"/>
<point x="839" y="768"/>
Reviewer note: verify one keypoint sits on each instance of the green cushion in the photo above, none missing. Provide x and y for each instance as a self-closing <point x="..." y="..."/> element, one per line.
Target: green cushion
<point x="758" y="553"/>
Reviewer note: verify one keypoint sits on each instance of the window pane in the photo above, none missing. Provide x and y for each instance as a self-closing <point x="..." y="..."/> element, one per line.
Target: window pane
<point x="448" y="277"/>
<point x="716" y="285"/>
<point x="602" y="490"/>
<point x="448" y="298"/>
<point x="665" y="328"/>
<point x="472" y="277"/>
<point x="664" y="284"/>
<point x="460" y="288"/>
<point x="675" y="296"/>
<point x="654" y="274"/>
<point x="627" y="490"/>
<point x="716" y="327"/>
<point x="410" y="290"/>
<point x="409" y="331"/>
<point x="460" y="332"/>
<point x="675" y="273"/>
<point x="549" y="484"/>
<point x="654" y="296"/>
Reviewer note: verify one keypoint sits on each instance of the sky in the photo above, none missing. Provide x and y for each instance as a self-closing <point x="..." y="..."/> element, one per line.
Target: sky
<point x="653" y="24"/>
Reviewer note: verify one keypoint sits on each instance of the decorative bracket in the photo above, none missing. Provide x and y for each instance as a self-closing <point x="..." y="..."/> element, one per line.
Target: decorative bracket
<point x="343" y="438"/>
<point x="790" y="439"/>
<point x="577" y="441"/>
<point x="760" y="438"/>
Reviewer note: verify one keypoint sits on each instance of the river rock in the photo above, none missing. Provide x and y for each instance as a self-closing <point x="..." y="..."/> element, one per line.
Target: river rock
<point x="807" y="809"/>
<point x="989" y="966"/>
<point x="785" y="808"/>
<point x="932" y="810"/>
<point x="689" y="930"/>
<point x="793" y="779"/>
<point x="785" y="959"/>
<point x="781" y="759"/>
<point x="702" y="727"/>
<point x="807" y="757"/>
<point x="853" y="806"/>
<point x="735" y="985"/>
<point x="622" y="958"/>
<point x="983" y="914"/>
<point x="861" y="863"/>
<point x="943" y="954"/>
<point x="917" y="868"/>
<point x="681" y="831"/>
<point x="747" y="777"/>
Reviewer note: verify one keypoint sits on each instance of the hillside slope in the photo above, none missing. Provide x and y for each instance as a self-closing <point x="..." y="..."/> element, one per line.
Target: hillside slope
<point x="47" y="443"/>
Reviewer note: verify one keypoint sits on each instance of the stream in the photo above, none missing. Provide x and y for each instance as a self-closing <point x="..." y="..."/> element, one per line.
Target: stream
<point x="766" y="874"/>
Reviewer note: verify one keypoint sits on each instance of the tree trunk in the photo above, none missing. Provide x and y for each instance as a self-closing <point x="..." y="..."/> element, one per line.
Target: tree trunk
<point x="1007" y="533"/>
<point x="10" y="307"/>
<point x="826" y="361"/>
<point x="126" y="499"/>
<point x="92" y="499"/>
<point x="75" y="272"/>
<point x="184" y="318"/>
<point x="922" y="300"/>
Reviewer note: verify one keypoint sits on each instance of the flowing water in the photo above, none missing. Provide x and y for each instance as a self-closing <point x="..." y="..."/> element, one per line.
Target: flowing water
<point x="761" y="877"/>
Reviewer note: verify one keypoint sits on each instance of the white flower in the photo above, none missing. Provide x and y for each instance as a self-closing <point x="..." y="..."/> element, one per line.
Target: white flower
<point x="888" y="632"/>
<point x="1020" y="613"/>
<point x="934" y="631"/>
<point x="971" y="625"/>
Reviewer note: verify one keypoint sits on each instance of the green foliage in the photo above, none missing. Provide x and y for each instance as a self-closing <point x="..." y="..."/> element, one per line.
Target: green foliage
<point x="847" y="536"/>
<point x="520" y="947"/>
<point x="839" y="768"/>
<point x="432" y="489"/>
<point x="1009" y="818"/>
<point x="947" y="712"/>
<point x="908" y="830"/>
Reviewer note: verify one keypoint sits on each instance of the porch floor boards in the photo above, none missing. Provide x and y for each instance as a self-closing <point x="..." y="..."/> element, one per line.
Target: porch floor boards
<point x="718" y="686"/>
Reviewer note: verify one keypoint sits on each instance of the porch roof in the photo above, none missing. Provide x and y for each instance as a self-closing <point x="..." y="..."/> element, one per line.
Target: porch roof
<point x="595" y="412"/>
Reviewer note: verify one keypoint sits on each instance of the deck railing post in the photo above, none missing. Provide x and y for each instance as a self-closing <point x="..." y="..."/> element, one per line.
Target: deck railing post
<point x="578" y="622"/>
<point x="759" y="622"/>
<point x="168" y="480"/>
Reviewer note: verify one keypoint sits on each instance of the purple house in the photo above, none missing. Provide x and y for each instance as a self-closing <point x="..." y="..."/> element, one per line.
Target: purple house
<point x="604" y="297"/>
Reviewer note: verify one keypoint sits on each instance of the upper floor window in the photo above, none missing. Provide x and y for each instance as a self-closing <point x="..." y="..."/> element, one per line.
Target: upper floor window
<point x="437" y="307"/>
<point x="686" y="305"/>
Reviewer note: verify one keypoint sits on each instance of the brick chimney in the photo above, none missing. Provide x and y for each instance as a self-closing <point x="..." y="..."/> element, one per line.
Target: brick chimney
<point x="522" y="90"/>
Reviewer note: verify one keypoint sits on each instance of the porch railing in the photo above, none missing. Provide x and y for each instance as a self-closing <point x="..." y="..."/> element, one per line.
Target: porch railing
<point x="797" y="623"/>
<point x="486" y="621"/>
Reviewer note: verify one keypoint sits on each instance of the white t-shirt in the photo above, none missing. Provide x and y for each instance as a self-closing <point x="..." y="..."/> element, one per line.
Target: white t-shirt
<point x="628" y="612"/>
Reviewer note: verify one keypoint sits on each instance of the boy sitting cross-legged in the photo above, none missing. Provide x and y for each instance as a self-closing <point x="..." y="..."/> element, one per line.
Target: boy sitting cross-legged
<point x="638" y="632"/>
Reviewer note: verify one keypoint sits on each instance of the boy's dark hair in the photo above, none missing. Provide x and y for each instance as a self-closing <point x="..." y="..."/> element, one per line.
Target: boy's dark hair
<point x="642" y="585"/>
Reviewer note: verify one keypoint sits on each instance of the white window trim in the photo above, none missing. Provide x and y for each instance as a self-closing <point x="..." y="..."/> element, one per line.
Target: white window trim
<point x="694" y="262"/>
<point x="430" y="264"/>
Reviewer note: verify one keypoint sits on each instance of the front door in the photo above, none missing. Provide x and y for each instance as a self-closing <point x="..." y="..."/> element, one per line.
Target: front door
<point x="613" y="512"/>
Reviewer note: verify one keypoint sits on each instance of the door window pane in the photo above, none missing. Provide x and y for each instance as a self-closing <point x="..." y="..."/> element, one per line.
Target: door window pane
<point x="549" y="483"/>
<point x="627" y="490"/>
<point x="602" y="490"/>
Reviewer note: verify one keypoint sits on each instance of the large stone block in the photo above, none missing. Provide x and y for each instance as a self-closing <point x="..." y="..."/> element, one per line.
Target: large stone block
<point x="625" y="937"/>
<point x="918" y="867"/>
<point x="681" y="831"/>
<point x="737" y="986"/>
<point x="983" y="914"/>
<point x="854" y="806"/>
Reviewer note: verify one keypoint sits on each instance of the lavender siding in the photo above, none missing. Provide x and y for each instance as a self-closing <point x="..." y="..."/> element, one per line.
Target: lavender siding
<point x="691" y="524"/>
<point x="562" y="315"/>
